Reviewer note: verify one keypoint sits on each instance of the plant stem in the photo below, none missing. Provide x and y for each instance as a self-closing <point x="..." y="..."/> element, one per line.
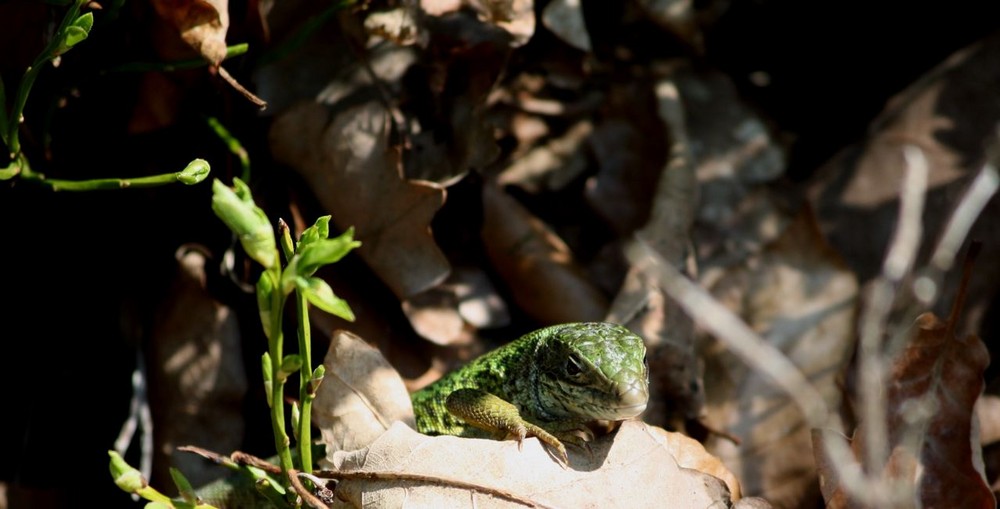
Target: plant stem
<point x="14" y="119"/>
<point x="281" y="442"/>
<point x="305" y="380"/>
<point x="196" y="171"/>
<point x="231" y="51"/>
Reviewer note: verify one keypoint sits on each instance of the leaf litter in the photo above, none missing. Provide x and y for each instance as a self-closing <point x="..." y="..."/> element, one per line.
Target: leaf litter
<point x="558" y="162"/>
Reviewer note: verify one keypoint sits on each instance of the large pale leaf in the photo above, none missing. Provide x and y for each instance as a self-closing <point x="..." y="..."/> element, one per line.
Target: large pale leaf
<point x="360" y="397"/>
<point x="634" y="468"/>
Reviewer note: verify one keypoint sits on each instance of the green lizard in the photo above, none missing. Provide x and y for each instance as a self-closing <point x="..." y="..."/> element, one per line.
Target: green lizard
<point x="547" y="383"/>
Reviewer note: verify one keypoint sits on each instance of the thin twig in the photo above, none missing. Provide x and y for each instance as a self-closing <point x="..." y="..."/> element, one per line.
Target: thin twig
<point x="754" y="350"/>
<point x="875" y="318"/>
<point x="139" y="418"/>
<point x="312" y="500"/>
<point x="228" y="78"/>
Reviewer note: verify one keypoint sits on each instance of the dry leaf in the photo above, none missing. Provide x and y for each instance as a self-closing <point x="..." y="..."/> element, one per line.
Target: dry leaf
<point x="202" y="24"/>
<point x="691" y="454"/>
<point x="641" y="304"/>
<point x="678" y="16"/>
<point x="950" y="114"/>
<point x="637" y="457"/>
<point x="535" y="264"/>
<point x="565" y="19"/>
<point x="349" y="164"/>
<point x="797" y="295"/>
<point x="456" y="138"/>
<point x="988" y="416"/>
<point x="398" y="25"/>
<point x="196" y="373"/>
<point x="448" y="313"/>
<point x="515" y="17"/>
<point x="550" y="166"/>
<point x="936" y="379"/>
<point x="360" y="397"/>
<point x="628" y="147"/>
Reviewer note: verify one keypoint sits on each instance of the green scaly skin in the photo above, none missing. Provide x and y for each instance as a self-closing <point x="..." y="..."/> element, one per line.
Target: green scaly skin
<point x="546" y="384"/>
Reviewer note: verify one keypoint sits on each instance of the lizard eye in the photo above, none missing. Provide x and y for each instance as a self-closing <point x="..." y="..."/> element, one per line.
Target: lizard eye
<point x="574" y="367"/>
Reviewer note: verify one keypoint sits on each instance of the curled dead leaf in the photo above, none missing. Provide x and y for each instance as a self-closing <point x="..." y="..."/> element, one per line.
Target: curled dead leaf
<point x="202" y="24"/>
<point x="535" y="264"/>
<point x="360" y="396"/>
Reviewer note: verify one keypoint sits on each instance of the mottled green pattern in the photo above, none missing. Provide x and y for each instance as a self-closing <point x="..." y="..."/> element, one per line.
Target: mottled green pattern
<point x="559" y="378"/>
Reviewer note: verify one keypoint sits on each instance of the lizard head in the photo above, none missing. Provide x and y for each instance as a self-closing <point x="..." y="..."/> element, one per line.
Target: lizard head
<point x="592" y="371"/>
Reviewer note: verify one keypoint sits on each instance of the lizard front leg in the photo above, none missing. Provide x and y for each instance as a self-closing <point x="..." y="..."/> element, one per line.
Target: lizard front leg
<point x="491" y="413"/>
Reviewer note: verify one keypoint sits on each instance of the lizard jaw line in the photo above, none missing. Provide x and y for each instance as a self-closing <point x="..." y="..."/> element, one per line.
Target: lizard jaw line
<point x="631" y="410"/>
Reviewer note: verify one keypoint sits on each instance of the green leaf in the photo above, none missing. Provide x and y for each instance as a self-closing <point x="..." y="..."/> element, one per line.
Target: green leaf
<point x="265" y="481"/>
<point x="131" y="480"/>
<point x="318" y="231"/>
<point x="75" y="33"/>
<point x="236" y="208"/>
<point x="290" y="364"/>
<point x="126" y="477"/>
<point x="195" y="172"/>
<point x="158" y="505"/>
<point x="85" y="22"/>
<point x="319" y="294"/>
<point x="296" y="416"/>
<point x="265" y="365"/>
<point x="265" y="290"/>
<point x="183" y="486"/>
<point x="325" y="251"/>
<point x="285" y="236"/>
<point x="317" y="379"/>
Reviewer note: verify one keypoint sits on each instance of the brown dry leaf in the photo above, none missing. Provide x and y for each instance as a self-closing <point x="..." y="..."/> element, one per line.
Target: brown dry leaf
<point x="950" y="114"/>
<point x="551" y="165"/>
<point x="535" y="264"/>
<point x="628" y="147"/>
<point x="448" y="313"/>
<point x="943" y="375"/>
<point x="635" y="460"/>
<point x="457" y="138"/>
<point x="202" y="24"/>
<point x="798" y="295"/>
<point x="690" y="453"/>
<point x="349" y="164"/>
<point x="360" y="397"/>
<point x="196" y="373"/>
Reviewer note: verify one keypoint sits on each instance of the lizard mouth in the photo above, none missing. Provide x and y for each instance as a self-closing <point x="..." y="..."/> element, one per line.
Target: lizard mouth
<point x="631" y="410"/>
